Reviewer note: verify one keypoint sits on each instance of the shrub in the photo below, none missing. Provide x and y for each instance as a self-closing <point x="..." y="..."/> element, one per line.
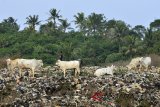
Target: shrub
<point x="114" y="57"/>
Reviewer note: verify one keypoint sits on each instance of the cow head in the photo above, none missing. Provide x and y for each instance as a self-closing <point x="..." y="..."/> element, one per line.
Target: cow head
<point x="8" y="61"/>
<point x="128" y="67"/>
<point x="41" y="63"/>
<point x="57" y="62"/>
<point x="113" y="67"/>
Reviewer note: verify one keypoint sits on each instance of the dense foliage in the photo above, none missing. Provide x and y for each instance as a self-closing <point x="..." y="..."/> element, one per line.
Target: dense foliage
<point x="95" y="39"/>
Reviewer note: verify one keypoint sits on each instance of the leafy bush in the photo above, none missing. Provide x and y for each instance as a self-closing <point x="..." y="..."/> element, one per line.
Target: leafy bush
<point x="114" y="57"/>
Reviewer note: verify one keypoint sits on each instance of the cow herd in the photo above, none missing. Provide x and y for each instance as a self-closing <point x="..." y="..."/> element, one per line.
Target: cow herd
<point x="139" y="63"/>
<point x="21" y="64"/>
<point x="34" y="65"/>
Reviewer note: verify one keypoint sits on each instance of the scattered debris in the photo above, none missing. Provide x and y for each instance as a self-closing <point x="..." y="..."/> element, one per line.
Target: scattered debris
<point x="50" y="89"/>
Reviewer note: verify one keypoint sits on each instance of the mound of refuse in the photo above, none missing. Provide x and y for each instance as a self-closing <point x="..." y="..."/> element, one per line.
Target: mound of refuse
<point x="50" y="89"/>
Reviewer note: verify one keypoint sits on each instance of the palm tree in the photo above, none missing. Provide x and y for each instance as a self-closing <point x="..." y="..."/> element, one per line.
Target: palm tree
<point x="155" y="25"/>
<point x="10" y="20"/>
<point x="64" y="24"/>
<point x="10" y="24"/>
<point x="139" y="31"/>
<point x="118" y="29"/>
<point x="149" y="39"/>
<point x="46" y="28"/>
<point x="80" y="21"/>
<point x="32" y="21"/>
<point x="131" y="44"/>
<point x="95" y="22"/>
<point x="54" y="14"/>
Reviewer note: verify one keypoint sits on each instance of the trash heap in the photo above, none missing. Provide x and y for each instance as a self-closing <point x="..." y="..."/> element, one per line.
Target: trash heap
<point x="128" y="88"/>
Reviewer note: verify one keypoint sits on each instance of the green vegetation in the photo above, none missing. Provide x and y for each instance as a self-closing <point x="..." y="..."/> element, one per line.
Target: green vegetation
<point x="95" y="39"/>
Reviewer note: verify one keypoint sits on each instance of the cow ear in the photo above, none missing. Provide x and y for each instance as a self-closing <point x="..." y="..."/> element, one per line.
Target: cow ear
<point x="58" y="60"/>
<point x="8" y="60"/>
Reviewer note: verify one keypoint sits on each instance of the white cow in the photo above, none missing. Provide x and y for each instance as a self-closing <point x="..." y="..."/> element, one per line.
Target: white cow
<point x="12" y="64"/>
<point x="145" y="62"/>
<point x="135" y="62"/>
<point x="103" y="71"/>
<point x="32" y="64"/>
<point x="64" y="65"/>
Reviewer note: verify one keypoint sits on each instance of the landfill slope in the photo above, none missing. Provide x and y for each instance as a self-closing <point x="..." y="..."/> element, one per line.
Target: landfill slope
<point x="51" y="89"/>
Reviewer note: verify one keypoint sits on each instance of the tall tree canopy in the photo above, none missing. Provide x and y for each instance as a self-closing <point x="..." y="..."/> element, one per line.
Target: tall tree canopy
<point x="32" y="21"/>
<point x="95" y="39"/>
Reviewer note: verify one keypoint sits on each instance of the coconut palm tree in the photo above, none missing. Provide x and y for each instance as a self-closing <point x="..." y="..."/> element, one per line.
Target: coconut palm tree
<point x="95" y="23"/>
<point x="155" y="25"/>
<point x="140" y="31"/>
<point x="64" y="24"/>
<point x="80" y="21"/>
<point x="149" y="38"/>
<point x="32" y="21"/>
<point x="54" y="15"/>
<point x="9" y="25"/>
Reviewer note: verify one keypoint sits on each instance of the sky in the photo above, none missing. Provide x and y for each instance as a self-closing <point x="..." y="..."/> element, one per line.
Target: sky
<point x="133" y="12"/>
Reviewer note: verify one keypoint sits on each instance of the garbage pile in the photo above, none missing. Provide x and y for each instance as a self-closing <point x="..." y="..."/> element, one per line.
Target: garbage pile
<point x="130" y="89"/>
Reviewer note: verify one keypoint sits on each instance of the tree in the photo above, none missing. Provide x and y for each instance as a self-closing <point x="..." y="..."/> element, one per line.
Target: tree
<point x="54" y="15"/>
<point x="9" y="25"/>
<point x="46" y="28"/>
<point x="155" y="25"/>
<point x="148" y="40"/>
<point x="117" y="29"/>
<point x="32" y="21"/>
<point x="64" y="24"/>
<point x="131" y="45"/>
<point x="95" y="23"/>
<point x="80" y="21"/>
<point x="140" y="31"/>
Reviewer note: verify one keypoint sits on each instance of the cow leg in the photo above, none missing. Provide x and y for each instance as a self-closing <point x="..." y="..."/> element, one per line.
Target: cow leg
<point x="29" y="72"/>
<point x="11" y="71"/>
<point x="147" y="68"/>
<point x="64" y="72"/>
<point x="20" y="72"/>
<point x="33" y="72"/>
<point x="78" y="71"/>
<point x="75" y="72"/>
